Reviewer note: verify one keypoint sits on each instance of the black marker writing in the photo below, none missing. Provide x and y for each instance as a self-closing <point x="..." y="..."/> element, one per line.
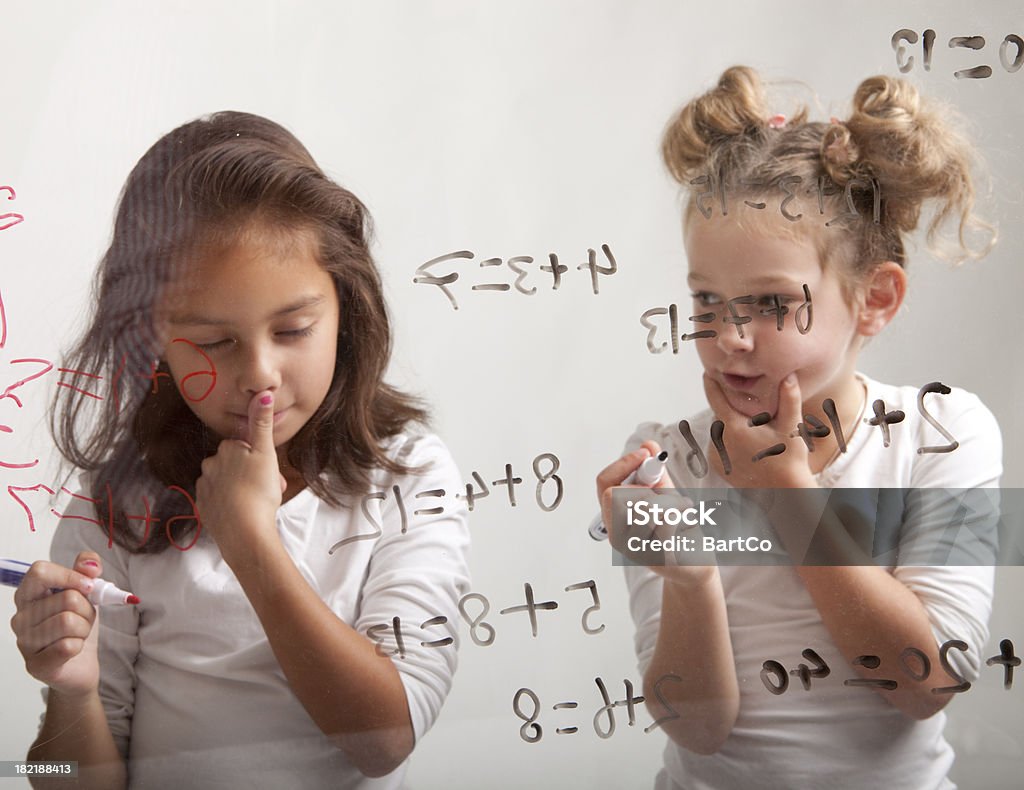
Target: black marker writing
<point x="809" y="430"/>
<point x="592" y="586"/>
<point x="530" y="607"/>
<point x="483" y="633"/>
<point x="603" y="721"/>
<point x="854" y="191"/>
<point x="475" y="622"/>
<point x="775" y="679"/>
<point x="811" y="673"/>
<point x="395" y="627"/>
<point x="941" y="389"/>
<point x="803" y="319"/>
<point x="519" y="264"/>
<point x="548" y="493"/>
<point x="1007" y="659"/>
<point x="883" y="419"/>
<point x="913" y="663"/>
<point x="531" y="732"/>
<point x="629" y="701"/>
<point x="1011" y="52"/>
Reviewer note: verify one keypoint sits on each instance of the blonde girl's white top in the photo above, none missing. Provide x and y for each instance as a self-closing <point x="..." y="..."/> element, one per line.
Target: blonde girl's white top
<point x="193" y="694"/>
<point x="835" y="736"/>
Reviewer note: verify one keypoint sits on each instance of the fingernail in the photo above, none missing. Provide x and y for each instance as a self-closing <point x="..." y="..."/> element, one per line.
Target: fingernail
<point x="266" y="400"/>
<point x="91" y="563"/>
<point x="791" y="379"/>
<point x="87" y="585"/>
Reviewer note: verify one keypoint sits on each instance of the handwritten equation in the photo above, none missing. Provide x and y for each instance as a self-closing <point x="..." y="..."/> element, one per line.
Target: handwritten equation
<point x="520" y="266"/>
<point x="106" y="523"/>
<point x="772" y="304"/>
<point x="85" y="383"/>
<point x="207" y="373"/>
<point x="914" y="663"/>
<point x="1011" y="52"/>
<point x="812" y="428"/>
<point x="603" y="721"/>
<point x="482" y="632"/>
<point x="717" y="188"/>
<point x="72" y="380"/>
<point x="548" y="492"/>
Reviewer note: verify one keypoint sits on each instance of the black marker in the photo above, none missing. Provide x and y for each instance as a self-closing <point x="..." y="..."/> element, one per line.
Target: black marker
<point x="647" y="474"/>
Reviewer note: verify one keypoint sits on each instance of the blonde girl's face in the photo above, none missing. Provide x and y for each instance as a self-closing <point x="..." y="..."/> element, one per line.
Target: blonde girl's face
<point x="263" y="313"/>
<point x="748" y="360"/>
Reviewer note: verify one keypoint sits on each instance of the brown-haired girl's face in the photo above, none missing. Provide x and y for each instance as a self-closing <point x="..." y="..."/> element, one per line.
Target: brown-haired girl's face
<point x="263" y="313"/>
<point x="749" y="360"/>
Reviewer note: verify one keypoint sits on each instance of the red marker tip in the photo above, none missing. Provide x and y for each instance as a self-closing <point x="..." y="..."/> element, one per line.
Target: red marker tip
<point x="132" y="599"/>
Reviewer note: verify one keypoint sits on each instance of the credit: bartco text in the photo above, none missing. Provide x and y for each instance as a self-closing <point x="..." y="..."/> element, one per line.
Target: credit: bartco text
<point x="678" y="543"/>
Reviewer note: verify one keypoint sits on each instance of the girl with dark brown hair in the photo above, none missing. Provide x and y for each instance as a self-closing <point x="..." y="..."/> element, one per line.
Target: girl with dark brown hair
<point x="244" y="478"/>
<point x="786" y="292"/>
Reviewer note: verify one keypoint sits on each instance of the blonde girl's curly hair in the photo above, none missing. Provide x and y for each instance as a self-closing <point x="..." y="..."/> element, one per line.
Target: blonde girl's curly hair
<point x="895" y="149"/>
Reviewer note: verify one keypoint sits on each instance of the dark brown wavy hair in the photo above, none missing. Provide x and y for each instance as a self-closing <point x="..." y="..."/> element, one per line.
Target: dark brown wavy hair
<point x="205" y="183"/>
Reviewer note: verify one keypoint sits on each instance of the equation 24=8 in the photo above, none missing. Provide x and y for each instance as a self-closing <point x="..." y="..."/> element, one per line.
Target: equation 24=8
<point x="603" y="720"/>
<point x="548" y="492"/>
<point x="482" y="633"/>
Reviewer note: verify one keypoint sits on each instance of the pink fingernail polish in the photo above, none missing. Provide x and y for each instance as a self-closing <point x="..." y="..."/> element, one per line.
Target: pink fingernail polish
<point x="266" y="400"/>
<point x="91" y="563"/>
<point x="87" y="585"/>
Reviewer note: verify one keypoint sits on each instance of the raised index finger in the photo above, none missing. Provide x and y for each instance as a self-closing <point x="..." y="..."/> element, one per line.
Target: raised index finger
<point x="261" y="422"/>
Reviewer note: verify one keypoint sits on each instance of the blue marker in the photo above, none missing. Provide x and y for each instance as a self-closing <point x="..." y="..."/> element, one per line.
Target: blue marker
<point x="101" y="594"/>
<point x="647" y="474"/>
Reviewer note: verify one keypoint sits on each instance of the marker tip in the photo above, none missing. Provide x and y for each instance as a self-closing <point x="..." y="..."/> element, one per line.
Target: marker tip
<point x="132" y="599"/>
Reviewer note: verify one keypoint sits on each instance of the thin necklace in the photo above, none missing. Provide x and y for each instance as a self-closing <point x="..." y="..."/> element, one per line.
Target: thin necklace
<point x="856" y="423"/>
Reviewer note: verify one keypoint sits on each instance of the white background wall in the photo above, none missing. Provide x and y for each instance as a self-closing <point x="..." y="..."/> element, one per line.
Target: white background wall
<point x="506" y="129"/>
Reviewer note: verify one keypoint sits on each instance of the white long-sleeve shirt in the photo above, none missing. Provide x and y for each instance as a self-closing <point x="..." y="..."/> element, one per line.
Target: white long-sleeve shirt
<point x="193" y="694"/>
<point x="834" y="735"/>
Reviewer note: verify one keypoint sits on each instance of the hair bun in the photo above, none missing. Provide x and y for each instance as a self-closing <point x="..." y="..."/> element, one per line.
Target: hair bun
<point x="915" y="151"/>
<point x="735" y="107"/>
<point x="895" y="154"/>
<point x="839" y="153"/>
<point x="895" y="101"/>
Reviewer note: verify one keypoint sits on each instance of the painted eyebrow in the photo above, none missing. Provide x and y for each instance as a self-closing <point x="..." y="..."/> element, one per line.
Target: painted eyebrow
<point x="196" y="319"/>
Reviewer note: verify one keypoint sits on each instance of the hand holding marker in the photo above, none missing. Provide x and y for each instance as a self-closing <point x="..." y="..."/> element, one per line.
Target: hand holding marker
<point x="647" y="474"/>
<point x="102" y="593"/>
